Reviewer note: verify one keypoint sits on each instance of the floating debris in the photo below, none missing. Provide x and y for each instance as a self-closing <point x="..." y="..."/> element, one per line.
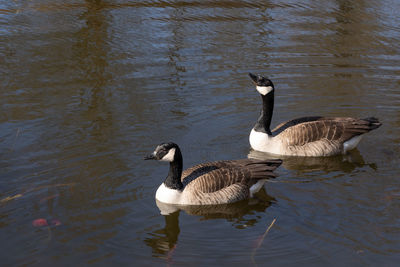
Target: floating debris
<point x="6" y="199"/>
<point x="260" y="240"/>
<point x="40" y="222"/>
<point x="44" y="222"/>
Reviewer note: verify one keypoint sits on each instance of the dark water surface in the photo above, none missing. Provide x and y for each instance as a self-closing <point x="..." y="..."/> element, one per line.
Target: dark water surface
<point x="87" y="88"/>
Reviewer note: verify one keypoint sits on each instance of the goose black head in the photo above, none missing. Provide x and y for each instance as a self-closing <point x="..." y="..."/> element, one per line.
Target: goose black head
<point x="164" y="152"/>
<point x="263" y="84"/>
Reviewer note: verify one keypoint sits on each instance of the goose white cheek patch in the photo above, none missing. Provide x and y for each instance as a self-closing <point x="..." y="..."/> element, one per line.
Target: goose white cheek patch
<point x="169" y="156"/>
<point x="264" y="89"/>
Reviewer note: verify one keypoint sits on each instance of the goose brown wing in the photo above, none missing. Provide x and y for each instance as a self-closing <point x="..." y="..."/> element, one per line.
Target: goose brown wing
<point x="222" y="174"/>
<point x="201" y="169"/>
<point x="306" y="130"/>
<point x="198" y="170"/>
<point x="287" y="124"/>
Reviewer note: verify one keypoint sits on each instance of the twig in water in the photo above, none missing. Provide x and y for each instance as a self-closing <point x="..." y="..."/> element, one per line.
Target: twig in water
<point x="10" y="198"/>
<point x="261" y="240"/>
<point x="6" y="199"/>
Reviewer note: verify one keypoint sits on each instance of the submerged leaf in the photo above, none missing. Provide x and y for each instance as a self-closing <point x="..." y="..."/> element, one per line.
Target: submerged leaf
<point x="40" y="222"/>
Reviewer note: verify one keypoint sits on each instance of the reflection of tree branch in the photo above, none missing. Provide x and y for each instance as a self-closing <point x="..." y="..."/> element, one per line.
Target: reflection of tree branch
<point x="178" y="43"/>
<point x="91" y="52"/>
<point x="92" y="49"/>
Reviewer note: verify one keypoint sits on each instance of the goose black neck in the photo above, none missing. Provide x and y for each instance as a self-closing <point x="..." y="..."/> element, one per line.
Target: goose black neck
<point x="173" y="179"/>
<point x="264" y="121"/>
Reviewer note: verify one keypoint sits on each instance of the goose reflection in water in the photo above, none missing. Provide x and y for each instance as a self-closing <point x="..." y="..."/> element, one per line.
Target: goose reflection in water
<point x="164" y="240"/>
<point x="344" y="163"/>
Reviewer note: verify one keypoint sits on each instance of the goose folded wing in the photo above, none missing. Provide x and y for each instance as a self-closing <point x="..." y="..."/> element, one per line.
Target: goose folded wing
<point x="251" y="165"/>
<point x="331" y="129"/>
<point x="223" y="177"/>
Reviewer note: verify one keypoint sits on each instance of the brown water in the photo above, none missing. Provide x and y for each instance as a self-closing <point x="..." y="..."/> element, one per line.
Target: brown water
<point x="90" y="87"/>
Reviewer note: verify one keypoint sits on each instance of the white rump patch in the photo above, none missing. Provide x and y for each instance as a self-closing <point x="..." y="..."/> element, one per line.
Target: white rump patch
<point x="256" y="187"/>
<point x="169" y="156"/>
<point x="168" y="195"/>
<point x="352" y="143"/>
<point x="264" y="89"/>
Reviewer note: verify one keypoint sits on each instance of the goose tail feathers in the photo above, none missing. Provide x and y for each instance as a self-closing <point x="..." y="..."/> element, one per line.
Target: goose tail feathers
<point x="373" y="123"/>
<point x="262" y="169"/>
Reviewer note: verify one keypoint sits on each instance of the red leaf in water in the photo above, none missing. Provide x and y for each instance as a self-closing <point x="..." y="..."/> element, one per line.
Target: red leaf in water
<point x="55" y="222"/>
<point x="40" y="222"/>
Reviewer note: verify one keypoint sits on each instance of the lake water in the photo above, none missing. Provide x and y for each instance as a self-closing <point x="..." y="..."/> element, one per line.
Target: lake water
<point x="87" y="88"/>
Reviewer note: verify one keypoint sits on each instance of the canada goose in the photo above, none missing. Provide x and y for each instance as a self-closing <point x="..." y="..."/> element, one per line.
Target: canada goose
<point x="308" y="136"/>
<point x="216" y="182"/>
